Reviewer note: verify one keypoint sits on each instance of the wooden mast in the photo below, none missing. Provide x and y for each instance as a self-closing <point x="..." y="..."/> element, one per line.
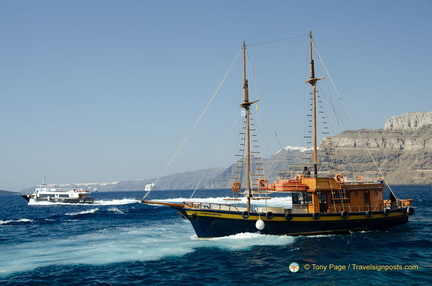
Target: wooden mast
<point x="246" y="105"/>
<point x="313" y="80"/>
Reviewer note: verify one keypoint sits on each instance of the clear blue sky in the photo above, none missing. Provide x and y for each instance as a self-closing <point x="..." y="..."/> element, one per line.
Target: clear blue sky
<point x="102" y="91"/>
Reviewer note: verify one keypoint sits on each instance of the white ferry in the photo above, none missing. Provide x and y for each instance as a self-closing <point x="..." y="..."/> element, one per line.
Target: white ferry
<point x="58" y="195"/>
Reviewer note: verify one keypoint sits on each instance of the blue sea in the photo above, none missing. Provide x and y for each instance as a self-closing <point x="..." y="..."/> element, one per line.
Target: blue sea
<point x="119" y="241"/>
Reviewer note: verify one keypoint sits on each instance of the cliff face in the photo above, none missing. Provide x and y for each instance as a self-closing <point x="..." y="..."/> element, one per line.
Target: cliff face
<point x="409" y="121"/>
<point x="402" y="150"/>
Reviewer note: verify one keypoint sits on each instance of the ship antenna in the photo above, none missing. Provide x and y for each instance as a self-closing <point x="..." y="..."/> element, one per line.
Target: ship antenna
<point x="312" y="81"/>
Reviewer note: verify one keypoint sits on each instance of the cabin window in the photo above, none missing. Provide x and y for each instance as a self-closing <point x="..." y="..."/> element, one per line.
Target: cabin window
<point x="295" y="199"/>
<point x="301" y="198"/>
<point x="323" y="198"/>
<point x="307" y="198"/>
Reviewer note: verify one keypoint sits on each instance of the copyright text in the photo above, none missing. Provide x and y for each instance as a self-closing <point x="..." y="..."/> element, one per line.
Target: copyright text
<point x="358" y="267"/>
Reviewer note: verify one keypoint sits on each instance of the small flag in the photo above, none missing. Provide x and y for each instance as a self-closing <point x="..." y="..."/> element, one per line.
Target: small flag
<point x="256" y="108"/>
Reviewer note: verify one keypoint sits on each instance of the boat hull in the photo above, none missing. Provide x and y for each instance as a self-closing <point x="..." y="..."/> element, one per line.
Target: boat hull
<point x="32" y="199"/>
<point x="215" y="223"/>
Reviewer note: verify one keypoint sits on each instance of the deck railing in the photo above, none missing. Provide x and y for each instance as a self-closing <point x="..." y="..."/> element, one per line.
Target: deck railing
<point x="212" y="206"/>
<point x="304" y="208"/>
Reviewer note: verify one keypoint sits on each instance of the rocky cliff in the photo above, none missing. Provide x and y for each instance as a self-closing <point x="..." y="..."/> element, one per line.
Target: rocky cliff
<point x="402" y="151"/>
<point x="409" y="121"/>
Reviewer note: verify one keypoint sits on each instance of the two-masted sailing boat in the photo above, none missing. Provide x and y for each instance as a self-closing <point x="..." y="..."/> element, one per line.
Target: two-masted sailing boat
<point x="320" y="205"/>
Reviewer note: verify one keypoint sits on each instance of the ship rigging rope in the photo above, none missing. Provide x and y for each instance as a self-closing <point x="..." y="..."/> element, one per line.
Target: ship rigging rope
<point x="196" y="123"/>
<point x="278" y="40"/>
<point x="216" y="155"/>
<point x="349" y="115"/>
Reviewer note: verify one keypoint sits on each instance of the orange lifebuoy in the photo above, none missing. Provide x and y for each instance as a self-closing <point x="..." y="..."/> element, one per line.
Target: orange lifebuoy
<point x="360" y="178"/>
<point x="262" y="184"/>
<point x="339" y="179"/>
<point x="297" y="177"/>
<point x="236" y="186"/>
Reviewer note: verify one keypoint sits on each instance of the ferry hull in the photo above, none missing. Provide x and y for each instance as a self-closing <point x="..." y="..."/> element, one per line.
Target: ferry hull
<point x="86" y="200"/>
<point x="211" y="223"/>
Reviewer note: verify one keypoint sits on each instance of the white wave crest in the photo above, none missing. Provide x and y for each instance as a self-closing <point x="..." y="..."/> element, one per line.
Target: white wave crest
<point x="116" y="210"/>
<point x="15" y="221"/>
<point x="91" y="211"/>
<point x="243" y="241"/>
<point x="116" y="202"/>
